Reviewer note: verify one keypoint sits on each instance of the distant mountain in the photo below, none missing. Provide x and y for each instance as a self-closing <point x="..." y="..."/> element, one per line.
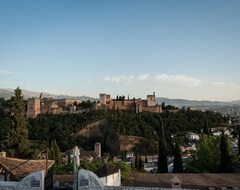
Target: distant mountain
<point x="7" y="93"/>
<point x="236" y="102"/>
<point x="192" y="103"/>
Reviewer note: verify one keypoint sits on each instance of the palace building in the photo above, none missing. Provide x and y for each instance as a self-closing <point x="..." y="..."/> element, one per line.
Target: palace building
<point x="135" y="105"/>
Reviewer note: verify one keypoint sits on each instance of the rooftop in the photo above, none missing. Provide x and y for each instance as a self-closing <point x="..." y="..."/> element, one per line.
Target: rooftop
<point x="22" y="167"/>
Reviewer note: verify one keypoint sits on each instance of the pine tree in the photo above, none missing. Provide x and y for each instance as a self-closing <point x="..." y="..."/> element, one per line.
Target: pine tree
<point x="162" y="148"/>
<point x="177" y="163"/>
<point x="17" y="138"/>
<point x="225" y="162"/>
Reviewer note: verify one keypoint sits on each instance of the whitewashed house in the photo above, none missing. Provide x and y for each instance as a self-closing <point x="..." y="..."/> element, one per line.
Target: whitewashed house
<point x="109" y="175"/>
<point x="150" y="166"/>
<point x="193" y="136"/>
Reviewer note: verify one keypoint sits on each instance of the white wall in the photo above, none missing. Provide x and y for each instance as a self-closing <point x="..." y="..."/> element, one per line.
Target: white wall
<point x="34" y="181"/>
<point x="112" y="180"/>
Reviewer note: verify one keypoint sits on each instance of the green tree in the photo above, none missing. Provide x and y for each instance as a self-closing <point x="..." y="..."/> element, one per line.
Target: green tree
<point x="54" y="153"/>
<point x="205" y="126"/>
<point x="137" y="162"/>
<point x="162" y="148"/>
<point x="225" y="154"/>
<point x="146" y="159"/>
<point x="239" y="143"/>
<point x="17" y="138"/>
<point x="177" y="162"/>
<point x="236" y="134"/>
<point x="206" y="157"/>
<point x="140" y="164"/>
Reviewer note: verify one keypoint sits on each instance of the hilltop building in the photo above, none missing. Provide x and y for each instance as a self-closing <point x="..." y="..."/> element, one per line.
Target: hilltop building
<point x="36" y="106"/>
<point x="135" y="105"/>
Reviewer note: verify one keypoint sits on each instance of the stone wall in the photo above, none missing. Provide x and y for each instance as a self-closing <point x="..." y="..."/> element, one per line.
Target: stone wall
<point x="154" y="109"/>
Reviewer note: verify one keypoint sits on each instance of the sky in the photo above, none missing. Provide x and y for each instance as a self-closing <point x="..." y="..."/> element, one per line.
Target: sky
<point x="177" y="49"/>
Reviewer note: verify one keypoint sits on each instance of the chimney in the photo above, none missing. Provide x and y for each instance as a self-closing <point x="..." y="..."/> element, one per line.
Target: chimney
<point x="175" y="183"/>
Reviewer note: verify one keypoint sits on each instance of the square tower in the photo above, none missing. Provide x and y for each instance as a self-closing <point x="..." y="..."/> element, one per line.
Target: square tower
<point x="151" y="100"/>
<point x="33" y="107"/>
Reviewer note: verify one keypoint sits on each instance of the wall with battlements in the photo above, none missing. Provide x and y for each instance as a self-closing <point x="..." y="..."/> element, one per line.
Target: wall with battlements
<point x="135" y="105"/>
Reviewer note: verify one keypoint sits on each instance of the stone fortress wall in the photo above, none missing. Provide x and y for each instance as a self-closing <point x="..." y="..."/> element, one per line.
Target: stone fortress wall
<point x="36" y="106"/>
<point x="40" y="105"/>
<point x="136" y="105"/>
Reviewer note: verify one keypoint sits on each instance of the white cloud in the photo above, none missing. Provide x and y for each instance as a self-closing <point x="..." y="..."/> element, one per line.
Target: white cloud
<point x="227" y="85"/>
<point x="107" y="78"/>
<point x="177" y="79"/>
<point x="117" y="79"/>
<point x="143" y="77"/>
<point x="219" y="83"/>
<point x="5" y="82"/>
<point x="6" y="72"/>
<point x="160" y="78"/>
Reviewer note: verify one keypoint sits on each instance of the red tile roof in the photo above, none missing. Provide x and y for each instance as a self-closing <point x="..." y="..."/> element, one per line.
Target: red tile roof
<point x="22" y="168"/>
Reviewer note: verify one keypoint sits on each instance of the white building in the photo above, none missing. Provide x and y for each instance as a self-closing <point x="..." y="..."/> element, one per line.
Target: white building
<point x="193" y="136"/>
<point x="109" y="175"/>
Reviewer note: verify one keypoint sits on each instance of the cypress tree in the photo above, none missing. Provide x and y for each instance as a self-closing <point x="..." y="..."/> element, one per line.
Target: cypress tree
<point x="136" y="162"/>
<point x="205" y="127"/>
<point x="51" y="152"/>
<point x="225" y="160"/>
<point x="17" y="138"/>
<point x="238" y="142"/>
<point x="54" y="153"/>
<point x="162" y="149"/>
<point x="177" y="162"/>
<point x="140" y="163"/>
<point x="146" y="159"/>
<point x="57" y="154"/>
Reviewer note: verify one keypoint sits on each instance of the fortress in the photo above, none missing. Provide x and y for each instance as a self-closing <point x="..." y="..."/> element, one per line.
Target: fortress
<point x="135" y="105"/>
<point x="36" y="106"/>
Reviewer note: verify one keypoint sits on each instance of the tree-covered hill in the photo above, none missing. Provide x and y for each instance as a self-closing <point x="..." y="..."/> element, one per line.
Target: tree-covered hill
<point x="66" y="129"/>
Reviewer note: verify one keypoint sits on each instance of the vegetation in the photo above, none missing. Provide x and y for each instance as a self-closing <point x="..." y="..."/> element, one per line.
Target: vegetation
<point x="60" y="131"/>
<point x="205" y="127"/>
<point x="177" y="162"/>
<point x="162" y="147"/>
<point x="17" y="137"/>
<point x="54" y="153"/>
<point x="225" y="155"/>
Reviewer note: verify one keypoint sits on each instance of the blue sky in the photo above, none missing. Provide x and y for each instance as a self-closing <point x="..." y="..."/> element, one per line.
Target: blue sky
<point x="177" y="49"/>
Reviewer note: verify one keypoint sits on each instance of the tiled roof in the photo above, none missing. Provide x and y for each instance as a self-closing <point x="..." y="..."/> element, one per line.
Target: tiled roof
<point x="87" y="153"/>
<point x="26" y="166"/>
<point x="106" y="170"/>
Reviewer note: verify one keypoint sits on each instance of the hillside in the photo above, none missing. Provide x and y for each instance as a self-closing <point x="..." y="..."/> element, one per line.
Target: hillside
<point x="102" y="129"/>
